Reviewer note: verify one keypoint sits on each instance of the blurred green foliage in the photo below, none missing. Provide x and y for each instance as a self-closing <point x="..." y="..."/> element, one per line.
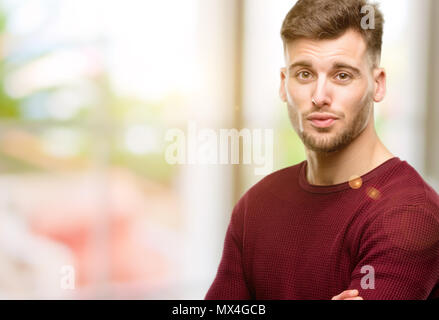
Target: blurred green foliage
<point x="109" y="111"/>
<point x="9" y="108"/>
<point x="289" y="149"/>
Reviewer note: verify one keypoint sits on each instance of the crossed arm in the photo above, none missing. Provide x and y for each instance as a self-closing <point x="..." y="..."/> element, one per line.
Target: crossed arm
<point x="402" y="245"/>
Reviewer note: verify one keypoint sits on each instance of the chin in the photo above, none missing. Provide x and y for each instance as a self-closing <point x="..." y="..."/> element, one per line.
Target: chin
<point x="324" y="149"/>
<point x="323" y="144"/>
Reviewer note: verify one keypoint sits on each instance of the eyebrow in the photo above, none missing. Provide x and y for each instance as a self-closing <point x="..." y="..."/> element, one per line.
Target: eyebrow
<point x="336" y="65"/>
<point x="301" y="63"/>
<point x="341" y="65"/>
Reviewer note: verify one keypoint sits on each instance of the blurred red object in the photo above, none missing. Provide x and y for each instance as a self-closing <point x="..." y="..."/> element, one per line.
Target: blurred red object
<point x="103" y="219"/>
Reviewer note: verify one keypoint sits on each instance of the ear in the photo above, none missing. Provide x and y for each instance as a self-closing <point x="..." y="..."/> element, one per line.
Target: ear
<point x="282" y="90"/>
<point x="379" y="76"/>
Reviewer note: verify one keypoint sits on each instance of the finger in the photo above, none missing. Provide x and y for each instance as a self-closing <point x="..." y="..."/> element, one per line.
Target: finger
<point x="355" y="298"/>
<point x="346" y="294"/>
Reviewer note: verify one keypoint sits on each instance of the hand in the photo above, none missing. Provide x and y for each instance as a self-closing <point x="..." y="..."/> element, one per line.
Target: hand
<point x="348" y="295"/>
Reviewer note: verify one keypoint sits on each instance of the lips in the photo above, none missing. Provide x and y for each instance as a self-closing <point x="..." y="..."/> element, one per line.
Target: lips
<point x="322" y="123"/>
<point x="321" y="116"/>
<point x="322" y="120"/>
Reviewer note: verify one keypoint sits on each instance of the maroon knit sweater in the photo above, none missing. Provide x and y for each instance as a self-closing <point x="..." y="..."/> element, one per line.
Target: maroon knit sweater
<point x="288" y="239"/>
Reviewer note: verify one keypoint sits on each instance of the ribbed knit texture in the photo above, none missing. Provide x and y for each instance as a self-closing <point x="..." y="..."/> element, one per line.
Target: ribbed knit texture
<point x="288" y="239"/>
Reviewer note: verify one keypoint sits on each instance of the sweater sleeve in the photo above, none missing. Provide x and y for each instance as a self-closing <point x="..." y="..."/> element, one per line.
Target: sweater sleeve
<point x="398" y="255"/>
<point x="229" y="283"/>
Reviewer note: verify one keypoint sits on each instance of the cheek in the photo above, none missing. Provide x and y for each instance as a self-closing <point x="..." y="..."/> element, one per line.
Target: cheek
<point x="350" y="99"/>
<point x="298" y="96"/>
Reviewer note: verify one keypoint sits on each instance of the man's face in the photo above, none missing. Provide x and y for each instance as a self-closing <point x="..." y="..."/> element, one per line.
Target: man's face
<point x="330" y="87"/>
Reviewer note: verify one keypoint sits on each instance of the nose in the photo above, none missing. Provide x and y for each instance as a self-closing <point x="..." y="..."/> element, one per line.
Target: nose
<point x="321" y="96"/>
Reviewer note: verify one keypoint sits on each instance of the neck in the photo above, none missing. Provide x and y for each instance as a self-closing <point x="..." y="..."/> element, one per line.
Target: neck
<point x="362" y="155"/>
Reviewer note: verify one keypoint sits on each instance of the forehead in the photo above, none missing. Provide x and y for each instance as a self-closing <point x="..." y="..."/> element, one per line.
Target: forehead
<point x="350" y="47"/>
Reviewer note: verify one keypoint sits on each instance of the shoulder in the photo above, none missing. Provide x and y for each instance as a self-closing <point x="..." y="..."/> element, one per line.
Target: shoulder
<point x="404" y="186"/>
<point x="275" y="182"/>
<point x="272" y="187"/>
<point x="407" y="212"/>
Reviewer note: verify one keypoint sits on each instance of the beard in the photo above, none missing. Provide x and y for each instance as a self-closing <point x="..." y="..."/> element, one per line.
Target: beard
<point x="324" y="141"/>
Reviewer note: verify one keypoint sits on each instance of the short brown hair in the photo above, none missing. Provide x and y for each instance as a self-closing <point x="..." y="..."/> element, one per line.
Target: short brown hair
<point x="329" y="19"/>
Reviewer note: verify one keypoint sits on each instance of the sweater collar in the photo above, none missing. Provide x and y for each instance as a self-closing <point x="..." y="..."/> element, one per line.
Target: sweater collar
<point x="304" y="184"/>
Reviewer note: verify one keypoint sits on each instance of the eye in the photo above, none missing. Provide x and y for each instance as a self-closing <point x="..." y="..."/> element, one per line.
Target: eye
<point x="304" y="75"/>
<point x="343" y="76"/>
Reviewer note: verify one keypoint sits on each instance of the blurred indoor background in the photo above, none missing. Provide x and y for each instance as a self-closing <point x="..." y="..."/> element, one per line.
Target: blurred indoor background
<point x="88" y="89"/>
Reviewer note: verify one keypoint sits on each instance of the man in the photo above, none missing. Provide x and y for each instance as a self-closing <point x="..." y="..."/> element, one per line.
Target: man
<point x="352" y="221"/>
